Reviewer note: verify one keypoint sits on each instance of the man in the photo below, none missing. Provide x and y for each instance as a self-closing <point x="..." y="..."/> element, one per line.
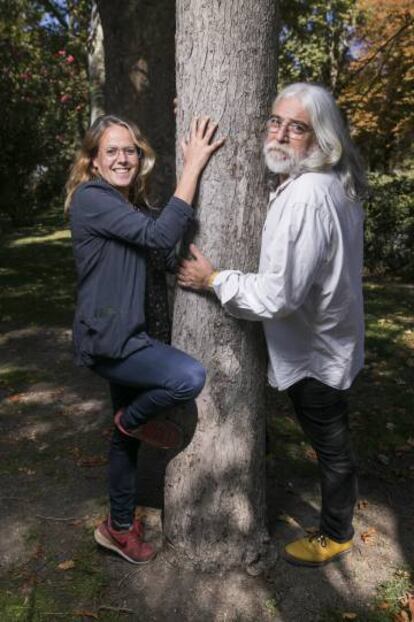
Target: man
<point x="308" y="294"/>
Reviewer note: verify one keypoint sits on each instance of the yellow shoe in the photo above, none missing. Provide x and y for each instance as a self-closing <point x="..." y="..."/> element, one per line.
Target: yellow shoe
<point x="315" y="550"/>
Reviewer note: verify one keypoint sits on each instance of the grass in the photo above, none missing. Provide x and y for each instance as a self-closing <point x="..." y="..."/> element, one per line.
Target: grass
<point x="390" y="602"/>
<point x="39" y="591"/>
<point x="37" y="276"/>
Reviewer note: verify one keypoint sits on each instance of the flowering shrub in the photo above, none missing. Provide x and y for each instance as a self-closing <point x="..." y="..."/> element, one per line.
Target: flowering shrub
<point x="43" y="103"/>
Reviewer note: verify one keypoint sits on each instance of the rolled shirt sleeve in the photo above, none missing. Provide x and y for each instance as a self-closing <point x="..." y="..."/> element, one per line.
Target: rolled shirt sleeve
<point x="292" y="255"/>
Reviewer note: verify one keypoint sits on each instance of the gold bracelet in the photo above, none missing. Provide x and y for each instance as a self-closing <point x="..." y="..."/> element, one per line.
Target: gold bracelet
<point x="211" y="278"/>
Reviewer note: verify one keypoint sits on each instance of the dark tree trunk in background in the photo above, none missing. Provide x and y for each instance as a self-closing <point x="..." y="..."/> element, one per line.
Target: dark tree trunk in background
<point x="140" y="75"/>
<point x="139" y="43"/>
<point x="215" y="488"/>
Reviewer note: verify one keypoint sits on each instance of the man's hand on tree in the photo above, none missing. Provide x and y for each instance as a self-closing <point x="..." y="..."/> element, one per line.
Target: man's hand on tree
<point x="195" y="273"/>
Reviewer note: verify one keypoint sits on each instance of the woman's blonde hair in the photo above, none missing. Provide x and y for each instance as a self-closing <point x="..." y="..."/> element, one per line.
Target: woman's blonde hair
<point x="84" y="170"/>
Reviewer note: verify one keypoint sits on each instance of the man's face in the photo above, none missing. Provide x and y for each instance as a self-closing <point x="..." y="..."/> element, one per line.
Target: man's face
<point x="289" y="138"/>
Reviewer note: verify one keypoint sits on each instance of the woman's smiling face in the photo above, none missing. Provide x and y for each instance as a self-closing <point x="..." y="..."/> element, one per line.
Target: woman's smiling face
<point x="117" y="160"/>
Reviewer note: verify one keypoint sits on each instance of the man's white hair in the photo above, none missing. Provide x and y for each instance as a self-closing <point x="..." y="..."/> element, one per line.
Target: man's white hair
<point x="336" y="150"/>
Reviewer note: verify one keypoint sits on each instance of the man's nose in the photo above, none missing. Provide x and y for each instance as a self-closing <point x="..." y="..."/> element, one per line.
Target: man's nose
<point x="280" y="133"/>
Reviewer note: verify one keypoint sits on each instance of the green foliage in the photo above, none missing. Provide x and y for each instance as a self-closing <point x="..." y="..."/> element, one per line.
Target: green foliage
<point x="392" y="592"/>
<point x="43" y="100"/>
<point x="389" y="225"/>
<point x="362" y="51"/>
<point x="315" y="39"/>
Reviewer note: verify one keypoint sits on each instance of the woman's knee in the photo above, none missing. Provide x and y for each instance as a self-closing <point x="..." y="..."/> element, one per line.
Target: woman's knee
<point x="190" y="381"/>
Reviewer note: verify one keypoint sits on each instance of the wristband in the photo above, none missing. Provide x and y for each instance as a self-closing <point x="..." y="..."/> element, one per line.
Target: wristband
<point x="211" y="278"/>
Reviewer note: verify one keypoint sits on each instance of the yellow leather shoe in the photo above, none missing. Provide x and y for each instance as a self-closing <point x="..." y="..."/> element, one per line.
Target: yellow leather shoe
<point x="315" y="550"/>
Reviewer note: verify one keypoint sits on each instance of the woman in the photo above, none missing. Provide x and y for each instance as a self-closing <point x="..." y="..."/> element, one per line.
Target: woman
<point x="106" y="192"/>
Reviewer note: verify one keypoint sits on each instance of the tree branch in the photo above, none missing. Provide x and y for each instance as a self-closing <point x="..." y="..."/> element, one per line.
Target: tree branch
<point x="378" y="51"/>
<point x="52" y="8"/>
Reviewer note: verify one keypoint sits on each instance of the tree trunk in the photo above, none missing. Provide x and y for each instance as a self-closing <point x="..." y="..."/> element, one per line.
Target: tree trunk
<point x="140" y="75"/>
<point x="215" y="488"/>
<point x="96" y="65"/>
<point x="140" y="85"/>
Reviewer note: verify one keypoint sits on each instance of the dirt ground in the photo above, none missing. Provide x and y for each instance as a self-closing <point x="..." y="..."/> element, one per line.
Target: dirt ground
<point x="54" y="428"/>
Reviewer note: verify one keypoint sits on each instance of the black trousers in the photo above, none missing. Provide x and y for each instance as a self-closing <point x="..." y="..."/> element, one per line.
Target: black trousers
<point x="323" y="414"/>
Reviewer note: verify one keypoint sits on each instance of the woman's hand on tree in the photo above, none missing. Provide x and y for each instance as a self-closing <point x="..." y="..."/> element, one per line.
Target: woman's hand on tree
<point x="199" y="146"/>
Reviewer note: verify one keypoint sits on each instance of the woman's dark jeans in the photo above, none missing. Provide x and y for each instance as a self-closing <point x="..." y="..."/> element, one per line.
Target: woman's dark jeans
<point x="144" y="384"/>
<point x="323" y="414"/>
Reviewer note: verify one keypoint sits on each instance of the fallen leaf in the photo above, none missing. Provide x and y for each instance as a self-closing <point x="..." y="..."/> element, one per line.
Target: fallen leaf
<point x="369" y="536"/>
<point x="349" y="616"/>
<point x="66" y="565"/>
<point x="383" y="605"/>
<point x="310" y="453"/>
<point x="86" y="614"/>
<point x="17" y="397"/>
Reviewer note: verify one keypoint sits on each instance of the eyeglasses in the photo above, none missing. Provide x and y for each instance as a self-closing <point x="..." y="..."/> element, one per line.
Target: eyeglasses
<point x="128" y="152"/>
<point x="294" y="129"/>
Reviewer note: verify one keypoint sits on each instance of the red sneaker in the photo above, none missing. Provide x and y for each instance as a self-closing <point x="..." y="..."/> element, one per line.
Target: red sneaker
<point x="138" y="527"/>
<point x="126" y="543"/>
<point x="161" y="434"/>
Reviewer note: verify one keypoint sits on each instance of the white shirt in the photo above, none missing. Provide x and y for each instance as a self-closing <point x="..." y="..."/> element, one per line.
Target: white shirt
<point x="308" y="291"/>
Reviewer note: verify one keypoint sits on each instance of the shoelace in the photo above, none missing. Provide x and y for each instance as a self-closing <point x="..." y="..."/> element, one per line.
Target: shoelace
<point x="320" y="538"/>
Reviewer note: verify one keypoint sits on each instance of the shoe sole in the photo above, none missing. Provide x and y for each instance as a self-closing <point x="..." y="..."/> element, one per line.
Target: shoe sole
<point x="298" y="562"/>
<point x="136" y="435"/>
<point x="107" y="544"/>
<point x="177" y="445"/>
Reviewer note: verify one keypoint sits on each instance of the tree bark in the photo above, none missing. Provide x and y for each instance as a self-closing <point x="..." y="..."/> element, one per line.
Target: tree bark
<point x="96" y="66"/>
<point x="215" y="489"/>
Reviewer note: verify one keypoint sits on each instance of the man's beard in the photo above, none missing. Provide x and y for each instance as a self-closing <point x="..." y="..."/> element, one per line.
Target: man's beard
<point x="281" y="159"/>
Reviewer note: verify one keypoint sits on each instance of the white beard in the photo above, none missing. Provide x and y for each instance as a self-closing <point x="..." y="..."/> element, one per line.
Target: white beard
<point x="280" y="159"/>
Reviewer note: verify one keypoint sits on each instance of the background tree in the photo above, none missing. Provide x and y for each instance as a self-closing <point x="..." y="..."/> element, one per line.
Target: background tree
<point x="362" y="50"/>
<point x="315" y="41"/>
<point x="378" y="89"/>
<point x="214" y="493"/>
<point x="43" y="100"/>
<point x="140" y="75"/>
<point x="140" y="85"/>
<point x="96" y="65"/>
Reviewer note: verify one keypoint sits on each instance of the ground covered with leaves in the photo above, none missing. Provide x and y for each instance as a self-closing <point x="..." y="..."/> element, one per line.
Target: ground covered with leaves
<point x="55" y="421"/>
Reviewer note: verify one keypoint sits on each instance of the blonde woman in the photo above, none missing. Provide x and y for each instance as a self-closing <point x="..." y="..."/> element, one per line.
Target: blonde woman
<point x="111" y="236"/>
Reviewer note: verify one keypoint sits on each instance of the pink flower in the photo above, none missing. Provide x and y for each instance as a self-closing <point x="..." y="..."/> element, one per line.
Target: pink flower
<point x="62" y="53"/>
<point x="65" y="98"/>
<point x="70" y="59"/>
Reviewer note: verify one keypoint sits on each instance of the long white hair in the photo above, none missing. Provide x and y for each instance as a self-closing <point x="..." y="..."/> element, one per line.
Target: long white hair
<point x="336" y="150"/>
